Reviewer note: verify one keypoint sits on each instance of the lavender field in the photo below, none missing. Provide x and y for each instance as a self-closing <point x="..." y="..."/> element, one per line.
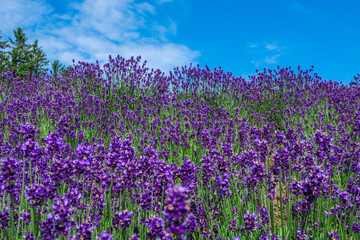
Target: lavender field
<point x="124" y="152"/>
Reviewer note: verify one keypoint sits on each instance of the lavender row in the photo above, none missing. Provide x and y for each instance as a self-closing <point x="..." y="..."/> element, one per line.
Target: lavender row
<point x="128" y="153"/>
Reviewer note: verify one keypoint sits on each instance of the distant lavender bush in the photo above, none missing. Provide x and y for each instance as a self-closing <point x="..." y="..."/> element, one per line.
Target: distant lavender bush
<point x="128" y="153"/>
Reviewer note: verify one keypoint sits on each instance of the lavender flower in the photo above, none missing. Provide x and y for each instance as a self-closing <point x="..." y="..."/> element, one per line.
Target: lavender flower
<point x="10" y="167"/>
<point x="29" y="236"/>
<point x="334" y="235"/>
<point x="250" y="222"/>
<point x="356" y="228"/>
<point x="37" y="194"/>
<point x="122" y="219"/>
<point x="104" y="236"/>
<point x="61" y="212"/>
<point x="28" y="131"/>
<point x="84" y="231"/>
<point x="176" y="209"/>
<point x="156" y="228"/>
<point x="47" y="231"/>
<point x="4" y="219"/>
<point x="222" y="185"/>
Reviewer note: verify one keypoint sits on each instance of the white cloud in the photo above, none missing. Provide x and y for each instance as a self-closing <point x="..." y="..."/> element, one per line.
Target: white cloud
<point x="68" y="56"/>
<point x="271" y="59"/>
<point x="113" y="19"/>
<point x="22" y="13"/>
<point x="163" y="1"/>
<point x="145" y="7"/>
<point x="267" y="60"/>
<point x="166" y="55"/>
<point x="270" y="46"/>
<point x="172" y="28"/>
<point x="268" y="53"/>
<point x="94" y="29"/>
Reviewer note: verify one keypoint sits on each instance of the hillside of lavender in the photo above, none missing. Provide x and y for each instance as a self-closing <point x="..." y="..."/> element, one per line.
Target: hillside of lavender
<point x="125" y="152"/>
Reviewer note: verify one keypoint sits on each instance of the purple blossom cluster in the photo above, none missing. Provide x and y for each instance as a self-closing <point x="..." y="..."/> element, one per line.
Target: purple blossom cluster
<point x="127" y="153"/>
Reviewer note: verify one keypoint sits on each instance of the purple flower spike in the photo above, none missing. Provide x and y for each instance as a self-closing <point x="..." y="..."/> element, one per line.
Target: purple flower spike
<point x="156" y="228"/>
<point x="29" y="236"/>
<point x="176" y="203"/>
<point x="84" y="231"/>
<point x="356" y="228"/>
<point x="4" y="220"/>
<point x="104" y="236"/>
<point x="264" y="215"/>
<point x="146" y="200"/>
<point x="300" y="235"/>
<point x="54" y="143"/>
<point x="356" y="127"/>
<point x="122" y="219"/>
<point x="176" y="209"/>
<point x="47" y="228"/>
<point x="334" y="235"/>
<point x="222" y="185"/>
<point x="9" y="169"/>
<point x="61" y="215"/>
<point x="250" y="222"/>
<point x="37" y="194"/>
<point x="27" y="131"/>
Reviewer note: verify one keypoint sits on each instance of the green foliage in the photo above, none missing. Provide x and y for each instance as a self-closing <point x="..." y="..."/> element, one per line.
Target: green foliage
<point x="3" y="56"/>
<point x="18" y="56"/>
<point x="38" y="61"/>
<point x="25" y="57"/>
<point x="57" y="68"/>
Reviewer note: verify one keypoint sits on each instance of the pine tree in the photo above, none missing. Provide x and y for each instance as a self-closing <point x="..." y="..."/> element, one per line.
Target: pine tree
<point x="38" y="61"/>
<point x="57" y="68"/>
<point x="26" y="57"/>
<point x="4" y="59"/>
<point x="19" y="54"/>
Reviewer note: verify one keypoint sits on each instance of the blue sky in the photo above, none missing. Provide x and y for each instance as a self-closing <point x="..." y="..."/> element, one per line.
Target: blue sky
<point x="240" y="36"/>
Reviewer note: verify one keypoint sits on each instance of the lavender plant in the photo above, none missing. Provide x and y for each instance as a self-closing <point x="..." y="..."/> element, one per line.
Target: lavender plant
<point x="128" y="153"/>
